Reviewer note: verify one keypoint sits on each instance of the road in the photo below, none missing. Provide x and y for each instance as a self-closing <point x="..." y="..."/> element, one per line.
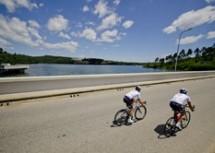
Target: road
<point x="51" y="83"/>
<point x="83" y="124"/>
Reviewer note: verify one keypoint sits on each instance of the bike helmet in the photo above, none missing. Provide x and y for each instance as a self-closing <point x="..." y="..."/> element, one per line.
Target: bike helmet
<point x="183" y="91"/>
<point x="138" y="88"/>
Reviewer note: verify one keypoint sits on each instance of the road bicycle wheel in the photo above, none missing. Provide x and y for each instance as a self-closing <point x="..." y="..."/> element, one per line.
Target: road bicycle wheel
<point x="140" y="112"/>
<point x="121" y="117"/>
<point x="169" y="128"/>
<point x="185" y="119"/>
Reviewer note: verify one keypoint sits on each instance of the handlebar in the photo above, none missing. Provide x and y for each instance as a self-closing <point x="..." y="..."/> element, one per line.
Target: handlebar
<point x="192" y="106"/>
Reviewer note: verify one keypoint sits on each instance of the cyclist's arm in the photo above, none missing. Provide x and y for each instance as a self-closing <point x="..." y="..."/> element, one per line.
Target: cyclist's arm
<point x="142" y="101"/>
<point x="190" y="106"/>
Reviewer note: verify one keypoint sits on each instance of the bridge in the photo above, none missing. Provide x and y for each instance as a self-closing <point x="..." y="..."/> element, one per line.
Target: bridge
<point x="83" y="124"/>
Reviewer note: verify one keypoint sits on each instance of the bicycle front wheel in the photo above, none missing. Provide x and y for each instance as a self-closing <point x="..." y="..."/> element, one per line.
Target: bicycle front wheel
<point x="121" y="117"/>
<point x="140" y="112"/>
<point x="185" y="119"/>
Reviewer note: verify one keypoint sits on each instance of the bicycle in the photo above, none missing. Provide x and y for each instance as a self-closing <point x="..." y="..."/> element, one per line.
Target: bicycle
<point x="121" y="116"/>
<point x="170" y="126"/>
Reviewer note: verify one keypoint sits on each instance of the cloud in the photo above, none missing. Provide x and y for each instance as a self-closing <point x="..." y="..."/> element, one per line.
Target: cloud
<point x="110" y="21"/>
<point x="33" y="24"/>
<point x="102" y="9"/>
<point x="116" y="2"/>
<point x="26" y="33"/>
<point x="75" y="34"/>
<point x="41" y="4"/>
<point x="64" y="35"/>
<point x="79" y="25"/>
<point x="191" y="39"/>
<point x="70" y="45"/>
<point x="4" y="43"/>
<point x="57" y="23"/>
<point x="192" y="19"/>
<point x="90" y="23"/>
<point x="12" y="5"/>
<point x="109" y="36"/>
<point x="211" y="35"/>
<point x="85" y="8"/>
<point x="18" y="31"/>
<point x="89" y="34"/>
<point x="127" y="24"/>
<point x="210" y="1"/>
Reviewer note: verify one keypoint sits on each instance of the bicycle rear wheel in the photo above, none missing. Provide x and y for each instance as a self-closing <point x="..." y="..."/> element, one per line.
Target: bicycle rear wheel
<point x="140" y="112"/>
<point x="121" y="117"/>
<point x="186" y="119"/>
<point x="169" y="128"/>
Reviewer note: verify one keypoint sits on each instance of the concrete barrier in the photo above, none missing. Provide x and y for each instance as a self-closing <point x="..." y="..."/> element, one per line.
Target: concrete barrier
<point x="49" y="93"/>
<point x="62" y="77"/>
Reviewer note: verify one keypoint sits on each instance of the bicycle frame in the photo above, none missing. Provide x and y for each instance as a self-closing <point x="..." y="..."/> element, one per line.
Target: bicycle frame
<point x="182" y="114"/>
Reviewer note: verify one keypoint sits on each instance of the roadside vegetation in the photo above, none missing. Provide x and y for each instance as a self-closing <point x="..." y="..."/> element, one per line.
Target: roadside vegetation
<point x="190" y="60"/>
<point x="6" y="57"/>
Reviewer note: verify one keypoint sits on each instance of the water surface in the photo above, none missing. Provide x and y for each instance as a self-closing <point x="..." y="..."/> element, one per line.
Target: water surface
<point x="69" y="69"/>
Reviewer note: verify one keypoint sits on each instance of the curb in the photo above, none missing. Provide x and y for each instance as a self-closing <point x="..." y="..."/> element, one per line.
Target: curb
<point x="62" y="77"/>
<point x="50" y="93"/>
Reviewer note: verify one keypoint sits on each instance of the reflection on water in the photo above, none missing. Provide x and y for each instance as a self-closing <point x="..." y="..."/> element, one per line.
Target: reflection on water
<point x="67" y="69"/>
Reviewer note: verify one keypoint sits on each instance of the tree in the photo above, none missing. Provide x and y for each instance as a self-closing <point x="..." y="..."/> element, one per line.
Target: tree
<point x="209" y="54"/>
<point x="182" y="54"/>
<point x="174" y="55"/>
<point x="204" y="53"/>
<point x="162" y="60"/>
<point x="169" y="58"/>
<point x="93" y="60"/>
<point x="213" y="46"/>
<point x="189" y="52"/>
<point x="156" y="60"/>
<point x="197" y="52"/>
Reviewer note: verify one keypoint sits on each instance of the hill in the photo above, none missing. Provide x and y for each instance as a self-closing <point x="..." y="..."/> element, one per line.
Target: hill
<point x="6" y="57"/>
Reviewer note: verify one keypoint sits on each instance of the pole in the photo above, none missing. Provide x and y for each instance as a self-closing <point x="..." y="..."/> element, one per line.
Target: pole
<point x="176" y="60"/>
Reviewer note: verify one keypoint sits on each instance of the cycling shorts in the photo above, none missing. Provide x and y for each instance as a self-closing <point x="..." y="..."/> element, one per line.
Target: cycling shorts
<point x="128" y="102"/>
<point x="176" y="106"/>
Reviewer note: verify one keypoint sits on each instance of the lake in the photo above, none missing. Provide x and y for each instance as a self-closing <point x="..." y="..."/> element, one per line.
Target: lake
<point x="69" y="69"/>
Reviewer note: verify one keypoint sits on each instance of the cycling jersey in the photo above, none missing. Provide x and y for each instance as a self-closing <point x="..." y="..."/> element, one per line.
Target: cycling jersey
<point x="133" y="95"/>
<point x="180" y="98"/>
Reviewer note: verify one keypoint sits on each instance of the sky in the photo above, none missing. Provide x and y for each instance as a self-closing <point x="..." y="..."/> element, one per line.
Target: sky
<point x="122" y="30"/>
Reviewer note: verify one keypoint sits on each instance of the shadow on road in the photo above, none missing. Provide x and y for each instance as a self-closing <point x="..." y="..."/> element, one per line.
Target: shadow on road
<point x="160" y="131"/>
<point x="115" y="124"/>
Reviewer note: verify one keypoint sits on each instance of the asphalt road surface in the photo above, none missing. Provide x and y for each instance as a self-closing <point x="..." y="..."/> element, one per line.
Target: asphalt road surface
<point x="83" y="124"/>
<point x="50" y="83"/>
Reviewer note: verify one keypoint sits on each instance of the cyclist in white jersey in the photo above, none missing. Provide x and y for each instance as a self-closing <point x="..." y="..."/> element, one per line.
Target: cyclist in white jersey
<point x="130" y="98"/>
<point x="178" y="103"/>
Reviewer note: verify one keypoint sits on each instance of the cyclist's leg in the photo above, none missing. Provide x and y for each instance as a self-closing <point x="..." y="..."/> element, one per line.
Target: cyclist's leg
<point x="175" y="110"/>
<point x="131" y="108"/>
<point x="177" y="113"/>
<point x="182" y="113"/>
<point x="128" y="103"/>
<point x="179" y="116"/>
<point x="176" y="116"/>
